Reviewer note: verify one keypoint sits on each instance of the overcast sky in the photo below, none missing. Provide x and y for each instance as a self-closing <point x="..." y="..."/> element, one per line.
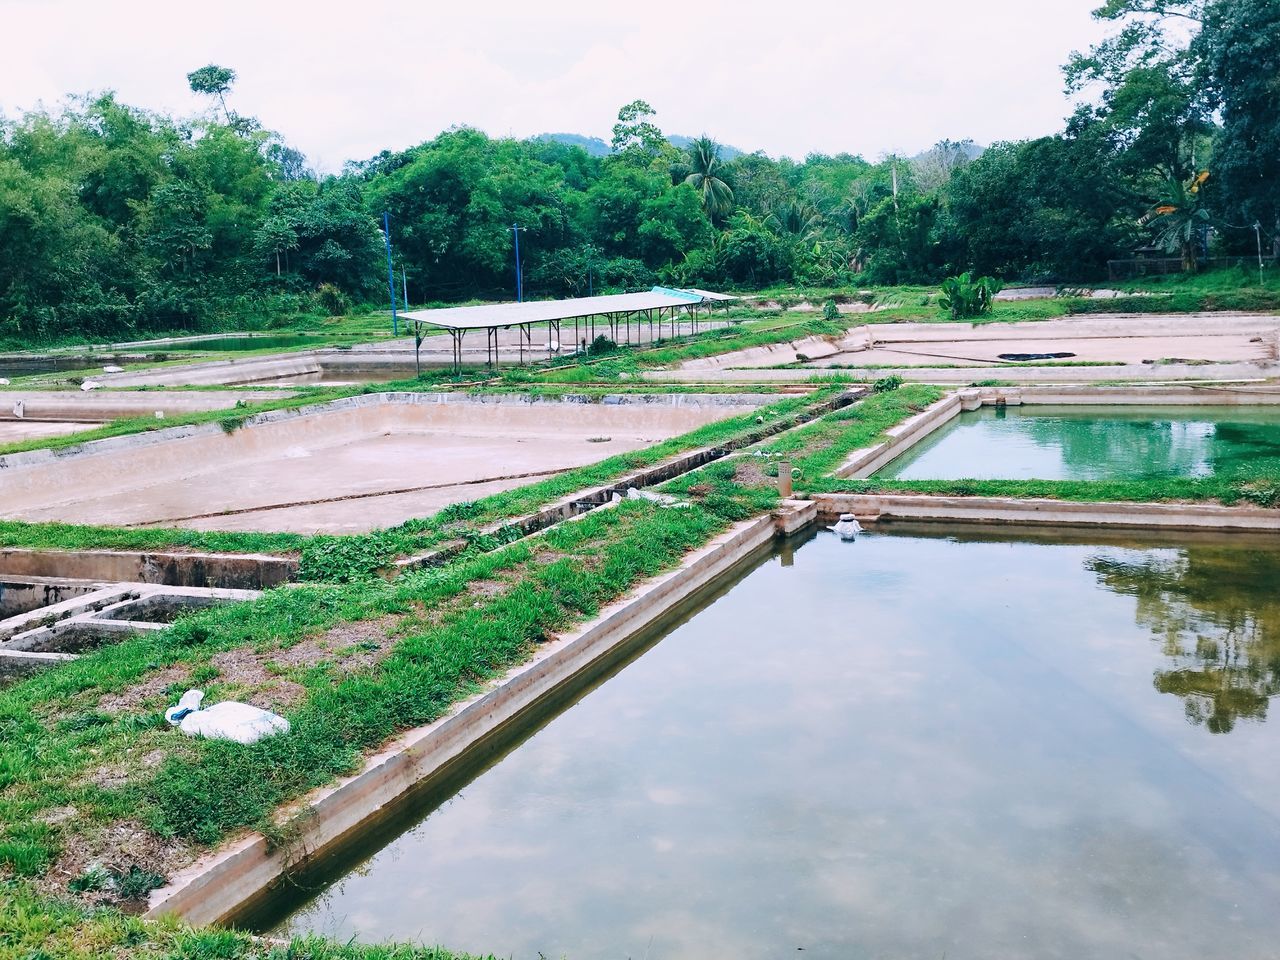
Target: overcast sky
<point x="344" y="80"/>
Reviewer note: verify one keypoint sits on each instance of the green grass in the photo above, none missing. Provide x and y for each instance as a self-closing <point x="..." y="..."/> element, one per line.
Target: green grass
<point x="1222" y="280"/>
<point x="33" y="927"/>
<point x="67" y="536"/>
<point x="52" y="735"/>
<point x="1258" y="488"/>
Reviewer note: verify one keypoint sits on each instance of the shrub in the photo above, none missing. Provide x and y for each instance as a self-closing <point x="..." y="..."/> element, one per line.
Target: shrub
<point x="830" y="311"/>
<point x="885" y="384"/>
<point x="600" y="346"/>
<point x="331" y="300"/>
<point x="966" y="297"/>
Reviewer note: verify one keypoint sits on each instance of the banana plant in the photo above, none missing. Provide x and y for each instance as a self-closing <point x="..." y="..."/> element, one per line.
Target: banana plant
<point x="966" y="297"/>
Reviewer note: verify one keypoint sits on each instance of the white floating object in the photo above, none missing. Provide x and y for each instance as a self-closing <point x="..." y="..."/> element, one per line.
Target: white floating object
<point x="848" y="528"/>
<point x="228" y="720"/>
<point x="90" y="385"/>
<point x="4" y="381"/>
<point x="20" y="409"/>
<point x="159" y="414"/>
<point x="112" y="368"/>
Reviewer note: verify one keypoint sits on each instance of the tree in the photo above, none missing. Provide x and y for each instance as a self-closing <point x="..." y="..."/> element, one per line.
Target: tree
<point x="933" y="168"/>
<point x="704" y="160"/>
<point x="1239" y="57"/>
<point x="213" y="81"/>
<point x="635" y="137"/>
<point x="1179" y="218"/>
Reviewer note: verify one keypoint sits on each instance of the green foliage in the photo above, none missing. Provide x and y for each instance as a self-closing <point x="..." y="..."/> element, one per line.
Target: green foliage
<point x="886" y="384"/>
<point x="830" y="311"/>
<point x="601" y="346"/>
<point x="966" y="298"/>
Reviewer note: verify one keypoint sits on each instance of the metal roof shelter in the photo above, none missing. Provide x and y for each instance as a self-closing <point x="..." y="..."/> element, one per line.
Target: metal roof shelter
<point x="615" y="309"/>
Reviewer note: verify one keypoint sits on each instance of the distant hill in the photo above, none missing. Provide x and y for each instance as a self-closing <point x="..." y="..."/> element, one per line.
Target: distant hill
<point x="593" y="145"/>
<point x="598" y="148"/>
<point x="727" y="152"/>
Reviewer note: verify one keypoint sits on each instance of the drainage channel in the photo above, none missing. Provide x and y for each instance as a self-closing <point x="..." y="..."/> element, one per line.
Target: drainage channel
<point x="45" y="621"/>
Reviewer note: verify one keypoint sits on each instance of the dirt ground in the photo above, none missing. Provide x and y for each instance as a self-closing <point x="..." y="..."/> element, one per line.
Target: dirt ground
<point x="343" y="472"/>
<point x="1117" y="339"/>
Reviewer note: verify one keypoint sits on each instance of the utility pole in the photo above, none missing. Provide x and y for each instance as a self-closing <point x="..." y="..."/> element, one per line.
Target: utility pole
<point x="391" y="275"/>
<point x="1257" y="231"/>
<point x="515" y="232"/>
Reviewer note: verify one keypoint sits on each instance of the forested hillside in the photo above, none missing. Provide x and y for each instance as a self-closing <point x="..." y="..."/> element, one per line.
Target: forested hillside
<point x="115" y="220"/>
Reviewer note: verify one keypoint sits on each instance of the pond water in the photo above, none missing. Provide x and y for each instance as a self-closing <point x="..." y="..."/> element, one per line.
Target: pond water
<point x="1093" y="443"/>
<point x="922" y="744"/>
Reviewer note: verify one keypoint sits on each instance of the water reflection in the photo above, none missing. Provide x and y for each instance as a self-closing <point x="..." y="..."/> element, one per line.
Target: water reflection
<point x="1096" y="443"/>
<point x="1216" y="614"/>
<point x="941" y="743"/>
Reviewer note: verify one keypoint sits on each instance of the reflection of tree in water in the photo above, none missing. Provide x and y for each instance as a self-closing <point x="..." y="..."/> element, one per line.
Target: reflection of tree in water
<point x="1216" y="612"/>
<point x="1095" y="447"/>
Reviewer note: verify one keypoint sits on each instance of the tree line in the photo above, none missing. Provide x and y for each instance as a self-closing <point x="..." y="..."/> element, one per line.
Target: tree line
<point x="115" y="219"/>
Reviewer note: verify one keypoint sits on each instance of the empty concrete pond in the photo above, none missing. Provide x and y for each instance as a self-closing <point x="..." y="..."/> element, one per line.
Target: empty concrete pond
<point x="1065" y="752"/>
<point x="345" y="466"/>
<point x="1093" y="443"/>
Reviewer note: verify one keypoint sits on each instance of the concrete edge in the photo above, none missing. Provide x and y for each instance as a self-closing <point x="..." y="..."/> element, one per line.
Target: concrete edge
<point x="234" y="571"/>
<point x="999" y="510"/>
<point x="866" y="461"/>
<point x="229" y="879"/>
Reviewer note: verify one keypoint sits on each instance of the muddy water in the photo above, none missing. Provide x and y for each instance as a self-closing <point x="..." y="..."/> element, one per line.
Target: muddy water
<point x="915" y="745"/>
<point x="1094" y="443"/>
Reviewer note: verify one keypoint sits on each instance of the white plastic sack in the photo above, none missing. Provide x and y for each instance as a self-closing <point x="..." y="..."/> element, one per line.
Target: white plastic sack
<point x="848" y="528"/>
<point x="224" y="721"/>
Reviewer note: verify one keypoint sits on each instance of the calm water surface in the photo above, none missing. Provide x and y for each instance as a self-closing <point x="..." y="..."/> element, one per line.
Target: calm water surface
<point x="1093" y="443"/>
<point x="915" y="745"/>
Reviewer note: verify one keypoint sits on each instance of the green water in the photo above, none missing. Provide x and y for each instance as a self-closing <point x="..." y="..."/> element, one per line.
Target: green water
<point x="911" y="746"/>
<point x="1094" y="443"/>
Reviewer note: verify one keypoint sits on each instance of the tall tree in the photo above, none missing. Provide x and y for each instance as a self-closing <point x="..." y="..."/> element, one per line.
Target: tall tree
<point x="213" y="81"/>
<point x="704" y="177"/>
<point x="635" y="136"/>
<point x="1239" y="50"/>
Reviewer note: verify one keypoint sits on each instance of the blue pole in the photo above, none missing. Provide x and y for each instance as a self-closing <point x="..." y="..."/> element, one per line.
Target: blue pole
<point x="391" y="276"/>
<point x="515" y="232"/>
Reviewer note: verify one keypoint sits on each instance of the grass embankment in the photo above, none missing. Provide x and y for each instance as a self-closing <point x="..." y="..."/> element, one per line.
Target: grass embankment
<point x="347" y="557"/>
<point x="1260" y="487"/>
<point x="99" y="797"/>
<point x="41" y="928"/>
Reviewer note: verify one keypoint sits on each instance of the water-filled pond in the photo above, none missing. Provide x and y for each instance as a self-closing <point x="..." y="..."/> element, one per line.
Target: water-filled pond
<point x="922" y="744"/>
<point x="1093" y="443"/>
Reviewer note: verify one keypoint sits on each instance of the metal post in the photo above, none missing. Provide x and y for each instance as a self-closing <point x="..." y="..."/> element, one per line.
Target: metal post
<point x="515" y="232"/>
<point x="404" y="280"/>
<point x="391" y="275"/>
<point x="1257" y="229"/>
<point x="417" y="348"/>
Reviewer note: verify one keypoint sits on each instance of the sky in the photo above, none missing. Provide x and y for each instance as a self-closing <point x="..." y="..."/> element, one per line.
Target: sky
<point x="343" y="81"/>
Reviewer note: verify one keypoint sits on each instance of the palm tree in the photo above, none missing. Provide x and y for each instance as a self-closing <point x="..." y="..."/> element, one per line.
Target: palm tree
<point x="704" y="159"/>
